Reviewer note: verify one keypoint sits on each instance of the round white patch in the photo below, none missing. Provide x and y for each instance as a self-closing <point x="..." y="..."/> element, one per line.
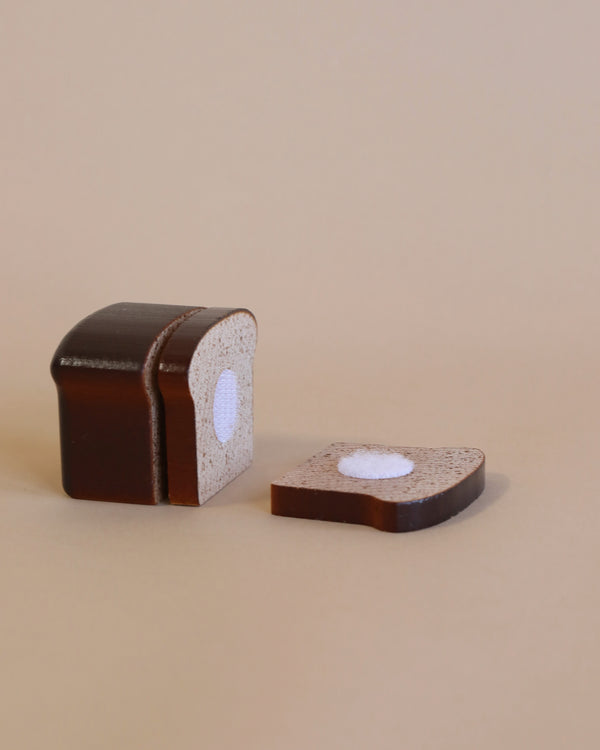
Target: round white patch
<point x="365" y="464"/>
<point x="225" y="405"/>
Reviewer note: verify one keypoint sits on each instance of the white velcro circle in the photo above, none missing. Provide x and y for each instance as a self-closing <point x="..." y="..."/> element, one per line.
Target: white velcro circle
<point x="365" y="464"/>
<point x="225" y="405"/>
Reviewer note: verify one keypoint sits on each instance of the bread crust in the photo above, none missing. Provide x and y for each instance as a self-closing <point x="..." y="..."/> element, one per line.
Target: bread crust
<point x="112" y="440"/>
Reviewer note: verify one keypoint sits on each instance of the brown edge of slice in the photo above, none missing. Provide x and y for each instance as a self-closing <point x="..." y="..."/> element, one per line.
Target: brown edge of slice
<point x="370" y="510"/>
<point x="109" y="407"/>
<point x="179" y="409"/>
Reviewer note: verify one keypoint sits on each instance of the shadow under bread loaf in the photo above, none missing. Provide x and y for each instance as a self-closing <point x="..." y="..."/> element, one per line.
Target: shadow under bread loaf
<point x="112" y="413"/>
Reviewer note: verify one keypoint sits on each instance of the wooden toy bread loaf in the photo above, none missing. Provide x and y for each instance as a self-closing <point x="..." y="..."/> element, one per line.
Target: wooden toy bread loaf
<point x="114" y="444"/>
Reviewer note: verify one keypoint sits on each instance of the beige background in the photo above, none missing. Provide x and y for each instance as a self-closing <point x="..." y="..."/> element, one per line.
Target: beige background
<point x="406" y="195"/>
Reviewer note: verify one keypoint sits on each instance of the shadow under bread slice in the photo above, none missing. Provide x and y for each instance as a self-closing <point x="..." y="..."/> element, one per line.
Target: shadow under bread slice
<point x="428" y="485"/>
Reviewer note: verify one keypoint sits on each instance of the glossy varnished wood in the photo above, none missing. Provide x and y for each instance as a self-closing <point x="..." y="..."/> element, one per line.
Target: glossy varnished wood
<point x="109" y="407"/>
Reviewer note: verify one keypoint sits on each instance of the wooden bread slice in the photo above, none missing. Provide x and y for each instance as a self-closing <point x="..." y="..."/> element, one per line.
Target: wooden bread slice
<point x="443" y="482"/>
<point x="112" y="440"/>
<point x="205" y="378"/>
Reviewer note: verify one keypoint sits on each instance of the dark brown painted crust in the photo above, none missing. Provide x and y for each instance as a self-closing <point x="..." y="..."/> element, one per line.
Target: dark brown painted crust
<point x="105" y="377"/>
<point x="179" y="413"/>
<point x="360" y="508"/>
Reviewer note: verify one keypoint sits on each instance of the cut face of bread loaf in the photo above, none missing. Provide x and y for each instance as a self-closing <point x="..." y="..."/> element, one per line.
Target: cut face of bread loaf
<point x="205" y="377"/>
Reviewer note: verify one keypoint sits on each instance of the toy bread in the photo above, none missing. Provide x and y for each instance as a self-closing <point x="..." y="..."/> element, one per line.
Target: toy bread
<point x="205" y="378"/>
<point x="392" y="489"/>
<point x="114" y="442"/>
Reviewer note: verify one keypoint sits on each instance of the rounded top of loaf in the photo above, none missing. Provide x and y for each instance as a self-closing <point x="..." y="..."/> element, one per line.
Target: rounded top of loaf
<point x="117" y="338"/>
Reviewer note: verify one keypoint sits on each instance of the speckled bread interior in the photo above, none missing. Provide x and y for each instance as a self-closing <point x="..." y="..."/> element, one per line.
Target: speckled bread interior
<point x="230" y="344"/>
